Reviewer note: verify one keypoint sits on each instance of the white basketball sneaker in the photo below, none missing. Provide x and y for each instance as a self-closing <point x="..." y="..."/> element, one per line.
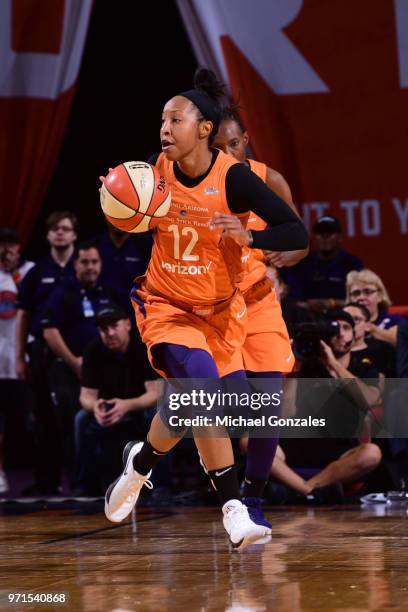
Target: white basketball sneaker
<point x="241" y="529"/>
<point x="123" y="493"/>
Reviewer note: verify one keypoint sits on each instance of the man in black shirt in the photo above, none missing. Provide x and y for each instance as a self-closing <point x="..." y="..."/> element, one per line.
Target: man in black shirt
<point x="117" y="386"/>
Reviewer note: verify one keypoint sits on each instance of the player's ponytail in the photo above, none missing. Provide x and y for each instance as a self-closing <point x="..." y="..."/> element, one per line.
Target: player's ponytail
<point x="206" y="80"/>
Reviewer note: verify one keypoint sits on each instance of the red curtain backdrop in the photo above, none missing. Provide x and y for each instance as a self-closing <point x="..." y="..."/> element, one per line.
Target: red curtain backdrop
<point x="324" y="97"/>
<point x="41" y="45"/>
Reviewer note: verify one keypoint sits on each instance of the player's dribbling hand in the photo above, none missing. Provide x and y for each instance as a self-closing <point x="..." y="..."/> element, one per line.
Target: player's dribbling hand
<point x="232" y="227"/>
<point x="102" y="178"/>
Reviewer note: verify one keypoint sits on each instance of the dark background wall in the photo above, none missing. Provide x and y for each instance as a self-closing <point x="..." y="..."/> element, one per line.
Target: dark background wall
<point x="123" y="83"/>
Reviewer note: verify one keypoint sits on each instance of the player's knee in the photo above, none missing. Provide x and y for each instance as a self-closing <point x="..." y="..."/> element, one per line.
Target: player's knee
<point x="175" y="425"/>
<point x="368" y="457"/>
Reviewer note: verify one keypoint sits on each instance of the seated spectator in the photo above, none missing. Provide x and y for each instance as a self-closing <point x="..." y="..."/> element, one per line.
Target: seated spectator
<point x="335" y="461"/>
<point x="318" y="281"/>
<point x="367" y="288"/>
<point x="124" y="256"/>
<point x="69" y="324"/>
<point x="12" y="391"/>
<point x="380" y="353"/>
<point x="117" y="386"/>
<point x="361" y="318"/>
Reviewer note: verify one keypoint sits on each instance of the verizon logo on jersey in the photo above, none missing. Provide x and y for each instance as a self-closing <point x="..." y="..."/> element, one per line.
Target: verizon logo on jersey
<point x="185" y="270"/>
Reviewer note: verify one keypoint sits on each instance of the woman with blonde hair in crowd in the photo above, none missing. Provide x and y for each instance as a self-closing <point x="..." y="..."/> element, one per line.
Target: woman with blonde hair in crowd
<point x="366" y="288"/>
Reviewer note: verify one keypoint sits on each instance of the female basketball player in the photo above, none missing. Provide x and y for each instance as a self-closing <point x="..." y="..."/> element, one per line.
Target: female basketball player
<point x="266" y="352"/>
<point x="189" y="312"/>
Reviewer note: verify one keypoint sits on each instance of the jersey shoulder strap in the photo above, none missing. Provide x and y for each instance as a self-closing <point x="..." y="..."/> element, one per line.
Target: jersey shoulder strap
<point x="259" y="168"/>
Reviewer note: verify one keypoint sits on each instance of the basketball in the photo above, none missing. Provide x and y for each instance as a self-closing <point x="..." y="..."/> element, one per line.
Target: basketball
<point x="134" y="197"/>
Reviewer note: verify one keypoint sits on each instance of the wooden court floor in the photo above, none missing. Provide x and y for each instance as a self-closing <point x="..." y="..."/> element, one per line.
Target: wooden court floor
<point x="179" y="559"/>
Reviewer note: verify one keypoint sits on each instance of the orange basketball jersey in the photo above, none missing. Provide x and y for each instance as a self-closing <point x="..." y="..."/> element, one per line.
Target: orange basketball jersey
<point x="190" y="263"/>
<point x="253" y="260"/>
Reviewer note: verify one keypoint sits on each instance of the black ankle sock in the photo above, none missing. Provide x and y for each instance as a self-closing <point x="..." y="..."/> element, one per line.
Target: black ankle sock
<point x="147" y="458"/>
<point x="225" y="482"/>
<point x="253" y="487"/>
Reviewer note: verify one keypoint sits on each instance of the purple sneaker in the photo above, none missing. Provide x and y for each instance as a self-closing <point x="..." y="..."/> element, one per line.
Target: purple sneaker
<point x="254" y="505"/>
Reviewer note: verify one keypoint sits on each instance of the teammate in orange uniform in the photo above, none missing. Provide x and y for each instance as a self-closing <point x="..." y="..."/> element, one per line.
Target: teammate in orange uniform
<point x="266" y="352"/>
<point x="188" y="308"/>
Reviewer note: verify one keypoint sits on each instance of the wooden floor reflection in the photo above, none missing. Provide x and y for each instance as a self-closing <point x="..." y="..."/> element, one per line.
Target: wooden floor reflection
<point x="179" y="559"/>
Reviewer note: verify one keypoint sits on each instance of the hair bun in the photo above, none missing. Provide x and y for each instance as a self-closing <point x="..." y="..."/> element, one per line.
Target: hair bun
<point x="207" y="81"/>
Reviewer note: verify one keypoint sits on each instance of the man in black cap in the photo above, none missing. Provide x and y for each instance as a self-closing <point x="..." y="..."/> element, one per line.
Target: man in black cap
<point x="117" y="386"/>
<point x="319" y="280"/>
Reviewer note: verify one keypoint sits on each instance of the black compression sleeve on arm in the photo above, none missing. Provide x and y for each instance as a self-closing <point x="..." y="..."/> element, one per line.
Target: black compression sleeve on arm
<point x="245" y="192"/>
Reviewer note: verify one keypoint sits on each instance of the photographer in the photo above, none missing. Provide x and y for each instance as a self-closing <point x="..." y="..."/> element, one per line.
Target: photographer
<point x="117" y="386"/>
<point x="338" y="459"/>
<point x="382" y="354"/>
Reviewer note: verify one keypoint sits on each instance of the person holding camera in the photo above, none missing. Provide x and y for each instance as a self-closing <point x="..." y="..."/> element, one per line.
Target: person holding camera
<point x="381" y="353"/>
<point x="117" y="386"/>
<point x="336" y="459"/>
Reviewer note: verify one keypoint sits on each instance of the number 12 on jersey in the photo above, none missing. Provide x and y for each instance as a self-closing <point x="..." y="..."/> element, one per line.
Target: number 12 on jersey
<point x="186" y="231"/>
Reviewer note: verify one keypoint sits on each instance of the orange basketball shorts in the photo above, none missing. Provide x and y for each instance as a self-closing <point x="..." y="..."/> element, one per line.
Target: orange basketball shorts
<point x="267" y="346"/>
<point x="221" y="334"/>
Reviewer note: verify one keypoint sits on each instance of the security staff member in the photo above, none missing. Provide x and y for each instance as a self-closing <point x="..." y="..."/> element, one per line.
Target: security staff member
<point x="52" y="271"/>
